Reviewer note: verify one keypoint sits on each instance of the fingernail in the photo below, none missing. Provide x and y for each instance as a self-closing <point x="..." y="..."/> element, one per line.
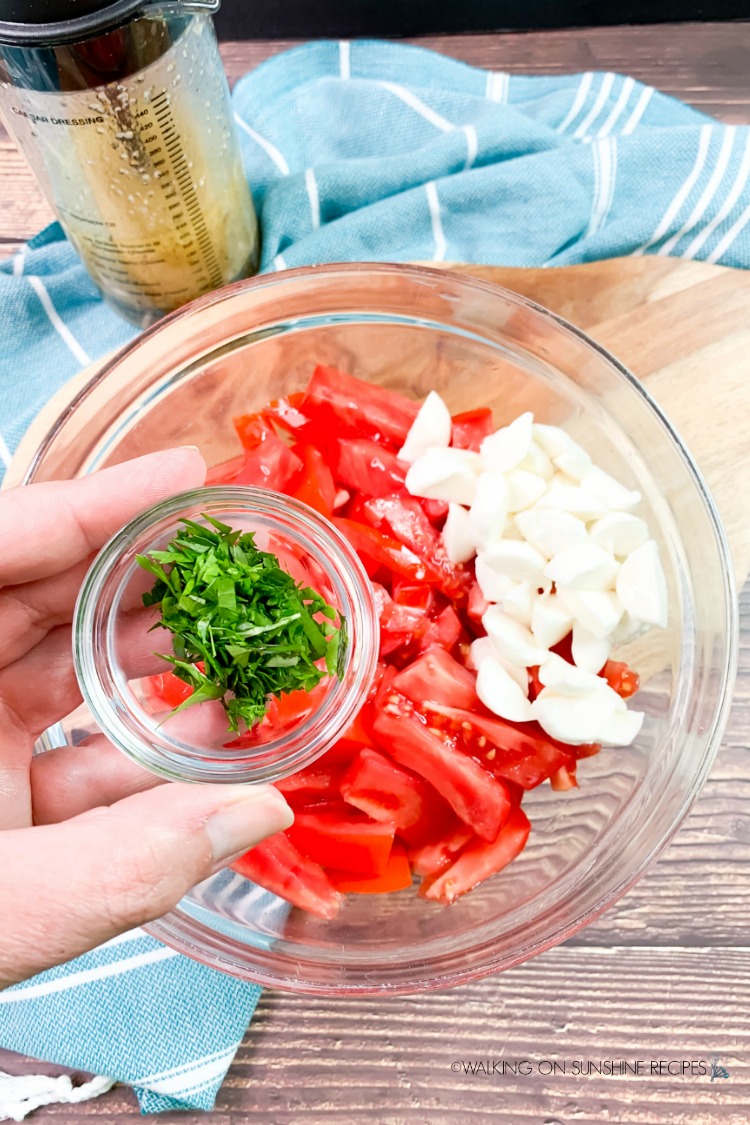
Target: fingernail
<point x="248" y="816"/>
<point x="193" y="447"/>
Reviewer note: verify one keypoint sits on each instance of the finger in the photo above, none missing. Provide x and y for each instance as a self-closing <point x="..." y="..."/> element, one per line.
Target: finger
<point x="47" y="528"/>
<point x="73" y="779"/>
<point x="41" y="688"/>
<point x="16" y="747"/>
<point x="30" y="610"/>
<point x="68" y="887"/>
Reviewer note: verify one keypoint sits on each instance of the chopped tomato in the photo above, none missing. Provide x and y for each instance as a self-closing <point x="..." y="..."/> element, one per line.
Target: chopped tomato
<point x="478" y="861"/>
<point x="437" y="676"/>
<point x="474" y="794"/>
<point x="384" y="791"/>
<point x="286" y="413"/>
<point x="253" y="429"/>
<point x="405" y="519"/>
<point x="317" y="783"/>
<point x="564" y="778"/>
<point x="471" y="428"/>
<point x="444" y="631"/>
<point x="520" y="753"/>
<point x="535" y="684"/>
<point x="270" y="465"/>
<point x="226" y="472"/>
<point x="359" y="407"/>
<point x="413" y="595"/>
<point x="620" y="678"/>
<point x="396" y="877"/>
<point x="401" y="629"/>
<point x="476" y="608"/>
<point x="168" y="689"/>
<point x="368" y="467"/>
<point x="336" y="836"/>
<point x="383" y="551"/>
<point x="436" y="511"/>
<point x="317" y="487"/>
<point x="434" y="856"/>
<point x="278" y="866"/>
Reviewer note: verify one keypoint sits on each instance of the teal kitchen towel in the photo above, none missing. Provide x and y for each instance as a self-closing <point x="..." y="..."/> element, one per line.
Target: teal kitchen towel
<point x="367" y="151"/>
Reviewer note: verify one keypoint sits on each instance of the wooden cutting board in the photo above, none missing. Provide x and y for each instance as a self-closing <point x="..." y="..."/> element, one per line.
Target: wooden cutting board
<point x="682" y="327"/>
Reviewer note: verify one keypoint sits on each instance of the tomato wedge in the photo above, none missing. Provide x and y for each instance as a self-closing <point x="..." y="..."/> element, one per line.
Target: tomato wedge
<point x="358" y="407"/>
<point x="471" y="428"/>
<point x="314" y="785"/>
<point x="336" y="836"/>
<point x="521" y="754"/>
<point x="253" y="429"/>
<point x="434" y="856"/>
<point x="405" y="519"/>
<point x="386" y="552"/>
<point x="478" y="861"/>
<point x="317" y="487"/>
<point x="621" y="678"/>
<point x="368" y="467"/>
<point x="384" y="791"/>
<point x="437" y="676"/>
<point x="396" y="877"/>
<point x="445" y="631"/>
<point x="226" y="472"/>
<point x="272" y="464"/>
<point x="278" y="866"/>
<point x="474" y="794"/>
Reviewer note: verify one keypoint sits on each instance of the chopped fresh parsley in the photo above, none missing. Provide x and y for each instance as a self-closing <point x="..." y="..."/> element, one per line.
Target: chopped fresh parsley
<point x="235" y="611"/>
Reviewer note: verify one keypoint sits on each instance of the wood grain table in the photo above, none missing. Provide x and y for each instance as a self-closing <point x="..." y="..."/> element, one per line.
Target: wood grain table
<point x="663" y="977"/>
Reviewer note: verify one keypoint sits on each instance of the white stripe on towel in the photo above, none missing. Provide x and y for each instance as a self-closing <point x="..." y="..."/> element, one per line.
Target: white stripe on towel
<point x="704" y="142"/>
<point x="311" y="184"/>
<point x="5" y="456"/>
<point x="726" y="208"/>
<point x="73" y="980"/>
<point x="619" y="106"/>
<point x="578" y="101"/>
<point x="709" y="192"/>
<point x="279" y="264"/>
<point x="605" y="90"/>
<point x="345" y="69"/>
<point x="437" y="225"/>
<point x="56" y="321"/>
<point x="720" y="250"/>
<point x="19" y="260"/>
<point x="639" y="110"/>
<point x="604" y="153"/>
<point x="418" y="106"/>
<point x="472" y="145"/>
<point x="270" y="149"/>
<point x="186" y="1067"/>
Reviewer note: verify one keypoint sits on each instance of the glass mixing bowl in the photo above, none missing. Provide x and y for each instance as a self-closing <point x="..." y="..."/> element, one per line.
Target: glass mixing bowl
<point x="414" y="330"/>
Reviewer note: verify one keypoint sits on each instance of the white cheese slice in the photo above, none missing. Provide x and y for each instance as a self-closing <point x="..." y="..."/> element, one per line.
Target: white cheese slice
<point x="431" y="429"/>
<point x="507" y="447"/>
<point x="642" y="585"/>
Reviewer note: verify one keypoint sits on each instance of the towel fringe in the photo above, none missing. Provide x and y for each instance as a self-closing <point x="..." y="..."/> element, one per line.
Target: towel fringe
<point x="21" y="1094"/>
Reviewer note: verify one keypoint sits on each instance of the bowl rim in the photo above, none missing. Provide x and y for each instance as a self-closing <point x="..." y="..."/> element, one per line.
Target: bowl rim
<point x="172" y="935"/>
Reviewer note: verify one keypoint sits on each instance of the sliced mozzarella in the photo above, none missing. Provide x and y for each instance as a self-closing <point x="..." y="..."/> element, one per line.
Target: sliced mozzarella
<point x="599" y="611"/>
<point x="573" y="461"/>
<point x="537" y="461"/>
<point x="431" y="429"/>
<point x="589" y="652"/>
<point x="524" y="489"/>
<point x="550" y="621"/>
<point x="612" y="494"/>
<point x="619" y="533"/>
<point x="569" y="498"/>
<point x="582" y="566"/>
<point x="573" y="719"/>
<point x="480" y="650"/>
<point x="517" y="560"/>
<point x="489" y="509"/>
<point x="566" y="679"/>
<point x="513" y="641"/>
<point x="549" y="530"/>
<point x="622" y="728"/>
<point x="445" y="474"/>
<point x="642" y="586"/>
<point x="500" y="692"/>
<point x="494" y="586"/>
<point x="519" y="602"/>
<point x="552" y="439"/>
<point x="458" y="535"/>
<point x="504" y="449"/>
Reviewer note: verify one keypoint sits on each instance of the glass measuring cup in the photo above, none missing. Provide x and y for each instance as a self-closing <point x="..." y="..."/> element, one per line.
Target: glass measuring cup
<point x="124" y="115"/>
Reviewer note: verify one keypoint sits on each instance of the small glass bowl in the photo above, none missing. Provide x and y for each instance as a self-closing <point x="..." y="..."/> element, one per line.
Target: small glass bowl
<point x="115" y="647"/>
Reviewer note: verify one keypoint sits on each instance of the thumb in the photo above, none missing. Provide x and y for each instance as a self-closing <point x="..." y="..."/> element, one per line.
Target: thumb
<point x="68" y="887"/>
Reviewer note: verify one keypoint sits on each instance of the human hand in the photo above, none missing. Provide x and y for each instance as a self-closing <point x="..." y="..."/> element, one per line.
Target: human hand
<point x="91" y="845"/>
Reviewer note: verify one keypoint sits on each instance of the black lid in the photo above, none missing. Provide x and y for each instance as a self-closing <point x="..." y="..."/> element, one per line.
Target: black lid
<point x="41" y="23"/>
